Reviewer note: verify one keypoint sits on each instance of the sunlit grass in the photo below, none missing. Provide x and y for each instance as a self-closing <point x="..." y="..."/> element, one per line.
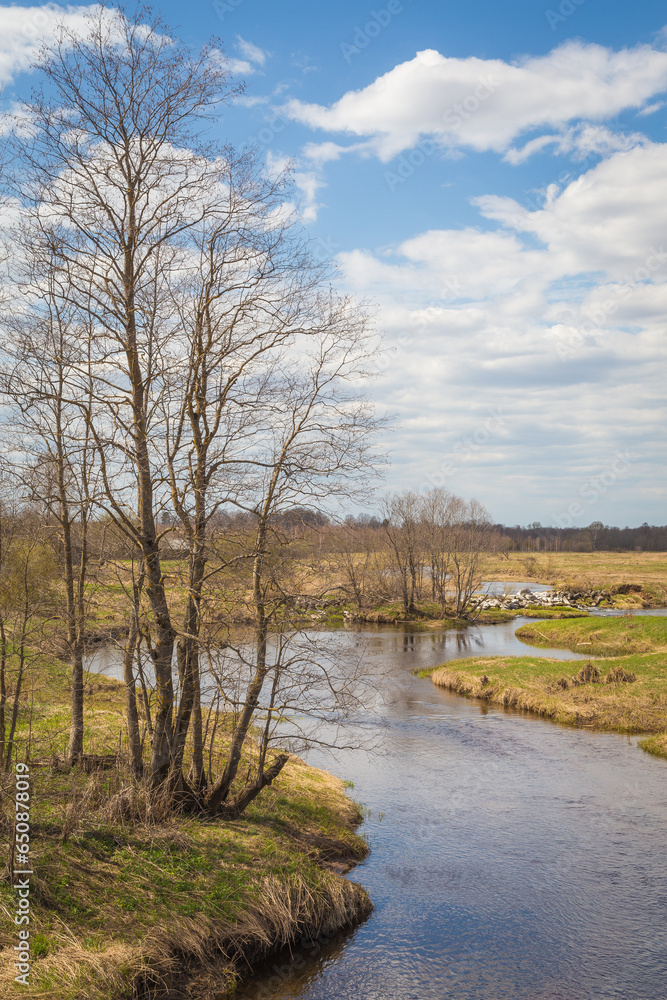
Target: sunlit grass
<point x="551" y="687"/>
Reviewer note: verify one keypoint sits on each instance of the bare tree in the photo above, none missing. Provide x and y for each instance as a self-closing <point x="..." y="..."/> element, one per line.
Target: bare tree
<point x="195" y="303"/>
<point x="471" y="541"/>
<point x="441" y="514"/>
<point x="40" y="381"/>
<point x="405" y="535"/>
<point x="318" y="446"/>
<point x="356" y="548"/>
<point x="116" y="180"/>
<point x="27" y="573"/>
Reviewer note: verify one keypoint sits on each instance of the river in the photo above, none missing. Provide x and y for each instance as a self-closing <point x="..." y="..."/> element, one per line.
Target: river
<point x="511" y="857"/>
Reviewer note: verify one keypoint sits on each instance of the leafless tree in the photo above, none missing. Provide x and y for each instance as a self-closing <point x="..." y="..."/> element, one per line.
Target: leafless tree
<point x="318" y="444"/>
<point x="441" y="514"/>
<point x="213" y="356"/>
<point x="471" y="541"/>
<point x="404" y="530"/>
<point x="27" y="599"/>
<point x="41" y="384"/>
<point x="357" y="551"/>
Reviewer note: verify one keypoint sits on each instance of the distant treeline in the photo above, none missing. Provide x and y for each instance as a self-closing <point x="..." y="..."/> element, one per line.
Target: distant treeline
<point x="596" y="537"/>
<point x="534" y="537"/>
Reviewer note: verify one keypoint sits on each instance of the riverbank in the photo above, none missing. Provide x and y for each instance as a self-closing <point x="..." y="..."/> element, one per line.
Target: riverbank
<point x="623" y="689"/>
<point x="126" y="897"/>
<point x="630" y="579"/>
<point x="430" y="615"/>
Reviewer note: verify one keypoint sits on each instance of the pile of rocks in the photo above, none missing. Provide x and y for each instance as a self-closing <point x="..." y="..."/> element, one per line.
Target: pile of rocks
<point x="542" y="598"/>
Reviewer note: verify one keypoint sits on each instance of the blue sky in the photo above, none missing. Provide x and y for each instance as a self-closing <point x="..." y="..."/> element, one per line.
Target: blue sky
<point x="494" y="178"/>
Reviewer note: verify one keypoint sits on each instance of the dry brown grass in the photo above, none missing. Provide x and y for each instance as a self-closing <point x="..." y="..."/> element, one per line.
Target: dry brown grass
<point x="131" y="904"/>
<point x="584" y="570"/>
<point x="557" y="690"/>
<point x="194" y="957"/>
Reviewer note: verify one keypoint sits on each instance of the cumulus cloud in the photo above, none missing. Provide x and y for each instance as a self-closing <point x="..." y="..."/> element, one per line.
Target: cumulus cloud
<point x="24" y="29"/>
<point x="252" y="57"/>
<point x="579" y="142"/>
<point x="607" y="220"/>
<point x="486" y="104"/>
<point x="562" y="339"/>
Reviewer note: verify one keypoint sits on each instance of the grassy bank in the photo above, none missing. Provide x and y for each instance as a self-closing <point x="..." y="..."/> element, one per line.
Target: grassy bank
<point x="127" y="897"/>
<point x="656" y="745"/>
<point x="618" y="572"/>
<point x="429" y="615"/>
<point x="624" y="689"/>
<point x="601" y="636"/>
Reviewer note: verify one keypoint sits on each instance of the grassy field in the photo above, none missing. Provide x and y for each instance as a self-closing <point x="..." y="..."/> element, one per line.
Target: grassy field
<point x="588" y="571"/>
<point x="633" y="580"/>
<point x="125" y="894"/>
<point x="622" y="688"/>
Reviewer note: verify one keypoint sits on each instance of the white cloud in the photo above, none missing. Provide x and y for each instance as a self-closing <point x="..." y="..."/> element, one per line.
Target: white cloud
<point x="23" y="29"/>
<point x="250" y="102"/>
<point x="320" y="153"/>
<point x="651" y="109"/>
<point x="485" y="104"/>
<point x="580" y="142"/>
<point x="239" y="66"/>
<point x="251" y="52"/>
<point x="607" y="220"/>
<point x="308" y="183"/>
<point x="565" y="340"/>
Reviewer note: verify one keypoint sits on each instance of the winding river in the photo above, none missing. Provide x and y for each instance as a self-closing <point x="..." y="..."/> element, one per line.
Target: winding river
<point x="511" y="858"/>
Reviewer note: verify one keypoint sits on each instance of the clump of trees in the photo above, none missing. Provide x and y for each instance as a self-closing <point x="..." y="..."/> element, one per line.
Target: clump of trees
<point x="173" y="352"/>
<point x="428" y="545"/>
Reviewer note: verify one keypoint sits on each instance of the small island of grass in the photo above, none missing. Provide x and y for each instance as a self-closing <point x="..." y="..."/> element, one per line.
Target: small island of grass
<point x="621" y="688"/>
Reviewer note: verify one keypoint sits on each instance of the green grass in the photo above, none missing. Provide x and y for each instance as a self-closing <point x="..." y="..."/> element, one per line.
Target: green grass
<point x="656" y="745"/>
<point x="110" y="894"/>
<point x="556" y="612"/>
<point x="601" y="636"/>
<point x="550" y="687"/>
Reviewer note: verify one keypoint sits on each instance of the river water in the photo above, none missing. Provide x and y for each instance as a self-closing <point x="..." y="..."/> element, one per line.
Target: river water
<point x="511" y="858"/>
